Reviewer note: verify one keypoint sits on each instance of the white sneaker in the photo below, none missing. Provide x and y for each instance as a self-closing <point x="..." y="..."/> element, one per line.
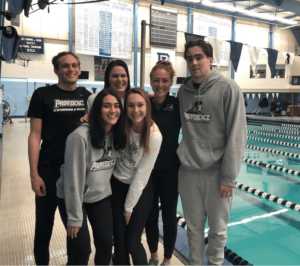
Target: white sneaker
<point x="153" y="261"/>
<point x="164" y="264"/>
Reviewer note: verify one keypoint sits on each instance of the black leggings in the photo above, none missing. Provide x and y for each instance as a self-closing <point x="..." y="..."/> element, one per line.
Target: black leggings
<point x="127" y="239"/>
<point x="100" y="218"/>
<point x="45" y="208"/>
<point x="165" y="187"/>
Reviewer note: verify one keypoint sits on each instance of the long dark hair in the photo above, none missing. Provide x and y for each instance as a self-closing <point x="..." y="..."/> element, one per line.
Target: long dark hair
<point x="97" y="132"/>
<point x="145" y="136"/>
<point x="109" y="68"/>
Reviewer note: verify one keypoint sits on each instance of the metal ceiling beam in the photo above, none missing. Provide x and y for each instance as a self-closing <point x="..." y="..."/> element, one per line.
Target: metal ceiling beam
<point x="219" y="11"/>
<point x="288" y="5"/>
<point x="269" y="11"/>
<point x="296" y="35"/>
<point x="293" y="16"/>
<point x="254" y="6"/>
<point x="231" y="1"/>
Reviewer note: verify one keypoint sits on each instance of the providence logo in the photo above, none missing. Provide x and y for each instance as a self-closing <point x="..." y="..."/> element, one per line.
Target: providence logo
<point x="195" y="114"/>
<point x="105" y="162"/>
<point x="169" y="107"/>
<point x="68" y="105"/>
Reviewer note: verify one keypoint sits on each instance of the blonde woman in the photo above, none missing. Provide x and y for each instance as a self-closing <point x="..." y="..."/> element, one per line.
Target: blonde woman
<point x="132" y="191"/>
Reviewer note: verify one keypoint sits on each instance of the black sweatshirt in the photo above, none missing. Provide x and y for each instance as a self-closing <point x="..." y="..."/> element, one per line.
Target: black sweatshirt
<point x="167" y="118"/>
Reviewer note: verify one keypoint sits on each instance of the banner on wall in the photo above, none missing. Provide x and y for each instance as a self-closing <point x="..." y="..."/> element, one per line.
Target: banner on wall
<point x="214" y="27"/>
<point x="100" y="64"/>
<point x="32" y="45"/>
<point x="162" y="54"/>
<point x="104" y="28"/>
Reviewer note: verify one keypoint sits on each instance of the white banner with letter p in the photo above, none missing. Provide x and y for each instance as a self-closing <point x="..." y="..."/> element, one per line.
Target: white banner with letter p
<point x="162" y="54"/>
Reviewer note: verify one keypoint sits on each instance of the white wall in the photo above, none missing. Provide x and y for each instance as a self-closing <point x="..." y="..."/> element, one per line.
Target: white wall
<point x="53" y="27"/>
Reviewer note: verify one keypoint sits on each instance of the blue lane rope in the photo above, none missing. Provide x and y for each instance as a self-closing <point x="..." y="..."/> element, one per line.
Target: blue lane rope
<point x="273" y="135"/>
<point x="274" y="167"/>
<point x="274" y="151"/>
<point x="268" y="196"/>
<point x="275" y="130"/>
<point x="290" y="125"/>
<point x="293" y="128"/>
<point x="275" y="142"/>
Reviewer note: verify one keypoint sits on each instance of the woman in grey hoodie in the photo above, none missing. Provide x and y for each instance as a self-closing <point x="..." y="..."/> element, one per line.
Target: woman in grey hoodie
<point x="84" y="189"/>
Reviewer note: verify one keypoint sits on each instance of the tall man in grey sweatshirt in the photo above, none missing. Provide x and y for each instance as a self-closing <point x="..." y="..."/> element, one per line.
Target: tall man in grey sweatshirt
<point x="214" y="138"/>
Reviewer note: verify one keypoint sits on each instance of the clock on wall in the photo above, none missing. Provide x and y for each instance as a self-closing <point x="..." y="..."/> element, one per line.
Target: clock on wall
<point x="295" y="80"/>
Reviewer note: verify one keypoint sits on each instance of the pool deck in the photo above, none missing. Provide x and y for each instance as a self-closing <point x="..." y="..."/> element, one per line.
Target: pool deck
<point x="17" y="208"/>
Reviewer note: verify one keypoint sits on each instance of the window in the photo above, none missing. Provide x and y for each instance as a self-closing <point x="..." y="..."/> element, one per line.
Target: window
<point x="279" y="72"/>
<point x="260" y="72"/>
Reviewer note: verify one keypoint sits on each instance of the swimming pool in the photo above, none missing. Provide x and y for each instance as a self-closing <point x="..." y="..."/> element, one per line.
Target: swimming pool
<point x="261" y="231"/>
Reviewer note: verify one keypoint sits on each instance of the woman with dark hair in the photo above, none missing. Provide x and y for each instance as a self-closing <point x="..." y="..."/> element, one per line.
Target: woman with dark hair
<point x="116" y="79"/>
<point x="132" y="190"/>
<point x="164" y="177"/>
<point x="84" y="189"/>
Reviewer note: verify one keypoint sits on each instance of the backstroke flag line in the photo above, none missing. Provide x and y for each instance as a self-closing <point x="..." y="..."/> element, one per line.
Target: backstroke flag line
<point x="217" y="49"/>
<point x="254" y="55"/>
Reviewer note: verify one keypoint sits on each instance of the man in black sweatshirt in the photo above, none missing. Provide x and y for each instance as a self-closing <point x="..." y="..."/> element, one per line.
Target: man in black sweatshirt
<point x="54" y="112"/>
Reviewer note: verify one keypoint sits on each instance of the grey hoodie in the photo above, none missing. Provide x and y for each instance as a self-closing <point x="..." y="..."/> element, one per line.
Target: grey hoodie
<point x="214" y="127"/>
<point x="85" y="176"/>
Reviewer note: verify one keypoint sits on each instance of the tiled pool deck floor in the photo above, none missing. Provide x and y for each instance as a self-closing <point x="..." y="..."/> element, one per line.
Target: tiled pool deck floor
<point x="17" y="208"/>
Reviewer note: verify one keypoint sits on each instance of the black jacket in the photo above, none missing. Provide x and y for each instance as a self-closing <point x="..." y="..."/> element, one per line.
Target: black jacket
<point x="169" y="124"/>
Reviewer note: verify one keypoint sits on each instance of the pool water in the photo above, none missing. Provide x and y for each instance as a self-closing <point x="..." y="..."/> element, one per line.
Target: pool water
<point x="261" y="231"/>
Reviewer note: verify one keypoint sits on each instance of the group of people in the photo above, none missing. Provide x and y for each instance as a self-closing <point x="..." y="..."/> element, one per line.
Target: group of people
<point x="112" y="157"/>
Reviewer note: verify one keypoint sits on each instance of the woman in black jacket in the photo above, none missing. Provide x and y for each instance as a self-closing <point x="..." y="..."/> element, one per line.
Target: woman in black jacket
<point x="273" y="107"/>
<point x="165" y="113"/>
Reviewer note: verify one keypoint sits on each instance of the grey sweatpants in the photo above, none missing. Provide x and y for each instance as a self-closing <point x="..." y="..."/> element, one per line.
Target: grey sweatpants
<point x="199" y="192"/>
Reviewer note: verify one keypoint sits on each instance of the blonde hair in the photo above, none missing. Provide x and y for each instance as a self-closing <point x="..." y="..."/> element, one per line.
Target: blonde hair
<point x="166" y="65"/>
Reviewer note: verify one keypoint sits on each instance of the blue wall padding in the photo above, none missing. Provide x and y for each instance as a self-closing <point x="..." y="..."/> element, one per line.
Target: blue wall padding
<point x="15" y="6"/>
<point x="20" y="88"/>
<point x="8" y="44"/>
<point x="42" y="4"/>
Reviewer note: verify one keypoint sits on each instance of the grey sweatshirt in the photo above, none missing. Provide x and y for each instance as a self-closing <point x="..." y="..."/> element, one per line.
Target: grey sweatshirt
<point x="135" y="166"/>
<point x="214" y="127"/>
<point x="85" y="176"/>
